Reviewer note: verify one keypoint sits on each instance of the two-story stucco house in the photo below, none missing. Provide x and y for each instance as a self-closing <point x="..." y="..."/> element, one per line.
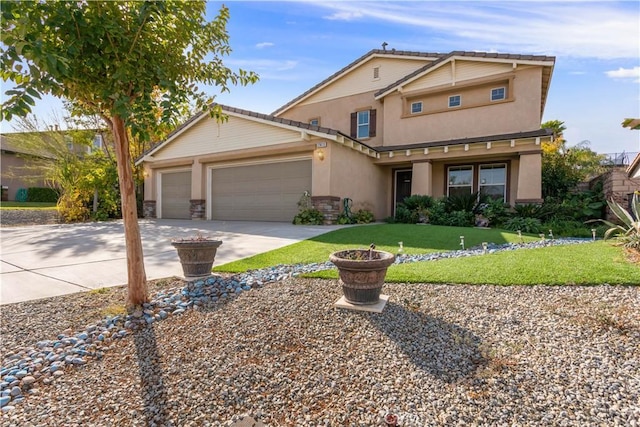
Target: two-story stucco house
<point x="388" y="125"/>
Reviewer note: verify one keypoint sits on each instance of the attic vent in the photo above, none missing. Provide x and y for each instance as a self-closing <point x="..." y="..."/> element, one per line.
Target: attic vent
<point x="376" y="72"/>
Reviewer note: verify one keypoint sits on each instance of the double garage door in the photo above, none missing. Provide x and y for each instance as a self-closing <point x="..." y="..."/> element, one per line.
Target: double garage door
<point x="260" y="192"/>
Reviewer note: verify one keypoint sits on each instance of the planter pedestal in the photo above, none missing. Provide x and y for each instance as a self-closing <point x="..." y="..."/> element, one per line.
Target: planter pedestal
<point x="362" y="278"/>
<point x="197" y="256"/>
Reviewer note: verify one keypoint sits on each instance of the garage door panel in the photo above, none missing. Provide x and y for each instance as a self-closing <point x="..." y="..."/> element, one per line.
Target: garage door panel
<point x="265" y="192"/>
<point x="176" y="195"/>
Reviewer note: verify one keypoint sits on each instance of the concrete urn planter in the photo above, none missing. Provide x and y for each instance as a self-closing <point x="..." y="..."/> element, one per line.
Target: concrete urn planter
<point x="196" y="255"/>
<point x="362" y="273"/>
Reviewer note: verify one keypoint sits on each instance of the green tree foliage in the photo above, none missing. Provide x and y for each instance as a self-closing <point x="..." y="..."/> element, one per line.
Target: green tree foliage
<point x="564" y="167"/>
<point x="86" y="180"/>
<point x="135" y="64"/>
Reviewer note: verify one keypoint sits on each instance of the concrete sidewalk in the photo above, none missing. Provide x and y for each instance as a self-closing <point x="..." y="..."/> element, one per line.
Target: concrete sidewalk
<point x="47" y="260"/>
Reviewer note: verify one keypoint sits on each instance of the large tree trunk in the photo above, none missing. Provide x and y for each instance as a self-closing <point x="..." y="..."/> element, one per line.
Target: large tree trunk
<point x="137" y="284"/>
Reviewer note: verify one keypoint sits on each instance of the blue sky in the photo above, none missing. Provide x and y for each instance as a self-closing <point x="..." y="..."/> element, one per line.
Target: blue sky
<point x="295" y="44"/>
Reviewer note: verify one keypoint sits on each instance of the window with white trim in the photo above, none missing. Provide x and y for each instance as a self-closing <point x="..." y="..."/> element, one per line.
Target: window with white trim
<point x="455" y="101"/>
<point x="416" y="107"/>
<point x="492" y="181"/>
<point x="459" y="180"/>
<point x="376" y="73"/>
<point x="498" y="94"/>
<point x="363" y="124"/>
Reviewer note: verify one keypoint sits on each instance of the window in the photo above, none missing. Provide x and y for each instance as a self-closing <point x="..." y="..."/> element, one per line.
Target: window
<point x="97" y="142"/>
<point x="314" y="122"/>
<point x="493" y="181"/>
<point x="416" y="107"/>
<point x="460" y="180"/>
<point x="376" y="73"/>
<point x="363" y="124"/>
<point x="455" y="101"/>
<point x="498" y="93"/>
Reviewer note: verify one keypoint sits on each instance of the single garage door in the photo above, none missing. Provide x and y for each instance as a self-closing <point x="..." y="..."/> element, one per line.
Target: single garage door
<point x="263" y="192"/>
<point x="176" y="195"/>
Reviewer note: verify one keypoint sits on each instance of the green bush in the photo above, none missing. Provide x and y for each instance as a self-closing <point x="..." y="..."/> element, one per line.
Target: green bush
<point x="42" y="194"/>
<point x="526" y="225"/>
<point x="463" y="202"/>
<point x="404" y="215"/>
<point x="363" y="216"/>
<point x="568" y="228"/>
<point x="310" y="216"/>
<point x="417" y="202"/>
<point x="534" y="210"/>
<point x="496" y="211"/>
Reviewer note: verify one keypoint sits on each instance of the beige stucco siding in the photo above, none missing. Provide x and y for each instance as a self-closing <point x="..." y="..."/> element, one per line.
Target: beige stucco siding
<point x="337" y="115"/>
<point x="208" y="136"/>
<point x="456" y="72"/>
<point x="347" y="173"/>
<point x="361" y="78"/>
<point x="519" y="115"/>
<point x="18" y="172"/>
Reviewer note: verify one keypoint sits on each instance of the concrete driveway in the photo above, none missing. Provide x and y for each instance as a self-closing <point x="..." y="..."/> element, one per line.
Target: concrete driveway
<point x="47" y="260"/>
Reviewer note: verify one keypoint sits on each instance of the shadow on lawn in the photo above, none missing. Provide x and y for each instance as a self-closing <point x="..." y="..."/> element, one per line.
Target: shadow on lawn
<point x="153" y="390"/>
<point x="444" y="350"/>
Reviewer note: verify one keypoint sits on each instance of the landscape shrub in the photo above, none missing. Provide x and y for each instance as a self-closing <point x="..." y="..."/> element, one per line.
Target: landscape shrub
<point x="42" y="194"/>
<point x="526" y="225"/>
<point x="307" y="214"/>
<point x="496" y="211"/>
<point x="363" y="216"/>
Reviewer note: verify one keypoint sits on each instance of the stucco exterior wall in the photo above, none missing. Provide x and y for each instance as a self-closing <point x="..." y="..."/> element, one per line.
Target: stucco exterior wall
<point x="336" y="114"/>
<point x="352" y="174"/>
<point x="519" y="115"/>
<point x="14" y="175"/>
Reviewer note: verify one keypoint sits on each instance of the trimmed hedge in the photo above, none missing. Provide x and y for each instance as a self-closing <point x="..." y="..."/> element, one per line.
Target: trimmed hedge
<point x="42" y="194"/>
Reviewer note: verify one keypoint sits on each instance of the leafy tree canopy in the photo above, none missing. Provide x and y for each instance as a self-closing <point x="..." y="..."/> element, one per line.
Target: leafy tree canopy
<point x="124" y="58"/>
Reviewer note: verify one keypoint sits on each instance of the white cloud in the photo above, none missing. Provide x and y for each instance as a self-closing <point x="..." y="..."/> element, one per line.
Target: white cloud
<point x="625" y="73"/>
<point x="605" y="30"/>
<point x="264" y="44"/>
<point x="344" y="16"/>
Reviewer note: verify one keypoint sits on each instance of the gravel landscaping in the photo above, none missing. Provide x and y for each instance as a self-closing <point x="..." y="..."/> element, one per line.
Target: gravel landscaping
<point x="281" y="354"/>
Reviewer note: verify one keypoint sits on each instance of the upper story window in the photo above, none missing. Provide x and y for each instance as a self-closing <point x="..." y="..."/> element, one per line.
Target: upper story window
<point x="363" y="124"/>
<point x="376" y="73"/>
<point x="498" y="94"/>
<point x="314" y="122"/>
<point x="416" y="107"/>
<point x="455" y="101"/>
<point x="460" y="180"/>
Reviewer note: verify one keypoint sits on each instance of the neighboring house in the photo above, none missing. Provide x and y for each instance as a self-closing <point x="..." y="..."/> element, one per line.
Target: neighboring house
<point x="19" y="161"/>
<point x="16" y="166"/>
<point x="389" y="125"/>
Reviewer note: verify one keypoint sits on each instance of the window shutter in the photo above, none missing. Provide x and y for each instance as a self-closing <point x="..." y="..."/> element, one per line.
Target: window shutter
<point x="372" y="123"/>
<point x="354" y="125"/>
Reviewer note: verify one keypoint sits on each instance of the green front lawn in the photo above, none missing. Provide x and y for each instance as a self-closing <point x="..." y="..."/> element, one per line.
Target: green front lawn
<point x="27" y="205"/>
<point x="416" y="239"/>
<point x="582" y="264"/>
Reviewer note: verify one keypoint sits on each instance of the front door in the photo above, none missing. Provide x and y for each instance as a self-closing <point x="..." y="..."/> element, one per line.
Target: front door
<point x="402" y="187"/>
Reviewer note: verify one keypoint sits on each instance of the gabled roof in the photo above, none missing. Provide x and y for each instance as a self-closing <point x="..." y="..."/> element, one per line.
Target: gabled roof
<point x="548" y="61"/>
<point x="355" y="64"/>
<point x="265" y="118"/>
<point x="436" y="60"/>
